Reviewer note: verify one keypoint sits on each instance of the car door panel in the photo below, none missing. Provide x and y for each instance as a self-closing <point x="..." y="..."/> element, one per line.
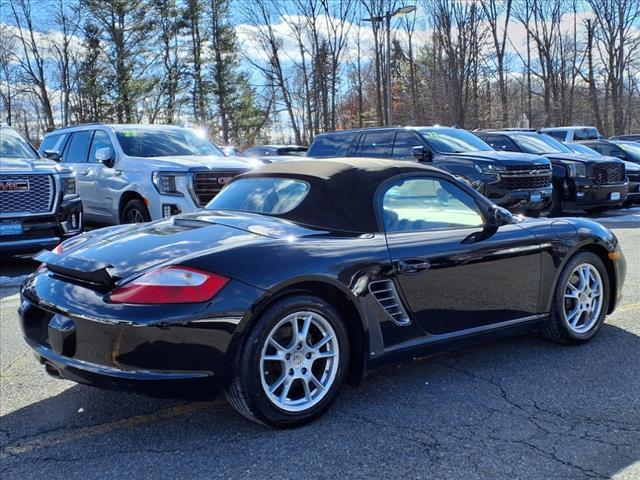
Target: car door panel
<point x="468" y="285"/>
<point x="454" y="272"/>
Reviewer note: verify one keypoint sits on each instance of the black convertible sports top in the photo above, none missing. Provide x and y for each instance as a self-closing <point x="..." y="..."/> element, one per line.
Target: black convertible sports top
<point x="341" y="194"/>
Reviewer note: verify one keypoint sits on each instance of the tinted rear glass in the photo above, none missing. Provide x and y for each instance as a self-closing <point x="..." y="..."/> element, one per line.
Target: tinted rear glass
<point x="558" y="134"/>
<point x="273" y="196"/>
<point x="539" y="143"/>
<point x="586" y="134"/>
<point x="331" y="145"/>
<point x="161" y="142"/>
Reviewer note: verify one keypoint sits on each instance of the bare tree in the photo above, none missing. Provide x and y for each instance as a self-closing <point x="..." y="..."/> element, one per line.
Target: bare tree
<point x="32" y="57"/>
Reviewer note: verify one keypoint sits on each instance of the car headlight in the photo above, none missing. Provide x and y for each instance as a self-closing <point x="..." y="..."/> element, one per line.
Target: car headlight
<point x="68" y="187"/>
<point x="165" y="183"/>
<point x="488" y="168"/>
<point x="575" y="169"/>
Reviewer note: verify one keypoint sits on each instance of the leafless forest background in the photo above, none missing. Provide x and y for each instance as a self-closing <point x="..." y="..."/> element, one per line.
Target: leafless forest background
<point x="285" y="70"/>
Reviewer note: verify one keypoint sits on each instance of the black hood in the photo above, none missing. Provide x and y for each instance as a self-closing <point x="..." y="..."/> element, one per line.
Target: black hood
<point x="581" y="158"/>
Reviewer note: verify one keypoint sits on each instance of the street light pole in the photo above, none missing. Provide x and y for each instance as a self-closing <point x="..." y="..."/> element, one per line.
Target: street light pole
<point x="386" y="18"/>
<point x="388" y="67"/>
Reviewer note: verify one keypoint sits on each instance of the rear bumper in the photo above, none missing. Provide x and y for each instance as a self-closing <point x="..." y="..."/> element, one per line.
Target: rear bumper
<point x="167" y="350"/>
<point x="44" y="231"/>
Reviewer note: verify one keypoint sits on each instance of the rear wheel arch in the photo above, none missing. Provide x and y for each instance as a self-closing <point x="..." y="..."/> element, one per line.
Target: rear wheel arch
<point x="344" y="304"/>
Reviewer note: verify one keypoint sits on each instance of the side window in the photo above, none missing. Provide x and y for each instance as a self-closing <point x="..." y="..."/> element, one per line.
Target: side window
<point x="403" y="145"/>
<point x="501" y="142"/>
<point x="376" y="144"/>
<point x="52" y="142"/>
<point x="428" y="204"/>
<point x="331" y="145"/>
<point x="100" y="140"/>
<point x="78" y="147"/>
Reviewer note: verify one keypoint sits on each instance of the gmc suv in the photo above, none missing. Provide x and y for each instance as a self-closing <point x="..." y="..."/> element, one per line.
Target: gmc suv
<point x="582" y="182"/>
<point x="513" y="180"/>
<point x="138" y="173"/>
<point x="39" y="206"/>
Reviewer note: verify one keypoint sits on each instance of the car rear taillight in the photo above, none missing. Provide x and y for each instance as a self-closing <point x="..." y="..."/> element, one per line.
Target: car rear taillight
<point x="58" y="249"/>
<point x="170" y="285"/>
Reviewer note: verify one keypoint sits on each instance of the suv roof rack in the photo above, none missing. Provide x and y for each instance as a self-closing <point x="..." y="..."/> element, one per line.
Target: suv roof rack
<point x="80" y="125"/>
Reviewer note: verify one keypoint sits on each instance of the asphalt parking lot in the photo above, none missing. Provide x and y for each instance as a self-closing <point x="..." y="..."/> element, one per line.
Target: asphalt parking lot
<point x="516" y="408"/>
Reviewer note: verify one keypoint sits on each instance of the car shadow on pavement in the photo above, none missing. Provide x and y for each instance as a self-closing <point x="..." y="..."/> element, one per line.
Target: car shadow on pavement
<point x="516" y="408"/>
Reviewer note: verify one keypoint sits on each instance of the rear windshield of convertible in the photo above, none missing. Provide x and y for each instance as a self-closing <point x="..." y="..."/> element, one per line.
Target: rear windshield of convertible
<point x="272" y="196"/>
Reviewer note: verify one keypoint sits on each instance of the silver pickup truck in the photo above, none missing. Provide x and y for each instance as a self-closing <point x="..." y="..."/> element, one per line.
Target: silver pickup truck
<point x="39" y="204"/>
<point x="138" y="173"/>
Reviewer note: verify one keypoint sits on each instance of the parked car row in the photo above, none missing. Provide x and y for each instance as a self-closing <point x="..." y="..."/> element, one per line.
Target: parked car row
<point x="114" y="174"/>
<point x="518" y="169"/>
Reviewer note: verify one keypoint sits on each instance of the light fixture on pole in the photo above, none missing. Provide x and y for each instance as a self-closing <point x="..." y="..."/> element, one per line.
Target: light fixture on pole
<point x="387" y="19"/>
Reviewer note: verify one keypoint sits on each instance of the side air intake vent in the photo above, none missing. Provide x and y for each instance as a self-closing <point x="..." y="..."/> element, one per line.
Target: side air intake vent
<point x="385" y="293"/>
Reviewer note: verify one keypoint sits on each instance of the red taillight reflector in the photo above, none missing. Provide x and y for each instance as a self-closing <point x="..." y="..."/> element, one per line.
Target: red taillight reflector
<point x="58" y="249"/>
<point x="170" y="285"/>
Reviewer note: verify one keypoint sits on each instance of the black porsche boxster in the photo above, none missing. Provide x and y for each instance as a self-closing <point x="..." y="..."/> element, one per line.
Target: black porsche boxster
<point x="300" y="276"/>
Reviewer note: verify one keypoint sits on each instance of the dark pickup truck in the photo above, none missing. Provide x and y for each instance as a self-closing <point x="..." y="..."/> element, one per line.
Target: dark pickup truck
<point x="513" y="180"/>
<point x="39" y="205"/>
<point x="582" y="182"/>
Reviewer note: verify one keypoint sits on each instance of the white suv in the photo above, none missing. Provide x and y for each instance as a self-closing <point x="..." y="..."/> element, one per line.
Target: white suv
<point x="138" y="173"/>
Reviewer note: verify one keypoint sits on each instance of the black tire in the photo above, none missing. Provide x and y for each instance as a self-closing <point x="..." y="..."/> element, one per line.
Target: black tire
<point x="246" y="393"/>
<point x="555" y="207"/>
<point x="556" y="328"/>
<point x="135" y="209"/>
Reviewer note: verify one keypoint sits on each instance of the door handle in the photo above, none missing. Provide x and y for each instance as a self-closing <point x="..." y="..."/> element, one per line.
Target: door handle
<point x="84" y="172"/>
<point x="413" y="265"/>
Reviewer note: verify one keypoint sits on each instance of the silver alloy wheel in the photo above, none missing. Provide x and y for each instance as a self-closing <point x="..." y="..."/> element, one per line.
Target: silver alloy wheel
<point x="299" y="361"/>
<point x="583" y="298"/>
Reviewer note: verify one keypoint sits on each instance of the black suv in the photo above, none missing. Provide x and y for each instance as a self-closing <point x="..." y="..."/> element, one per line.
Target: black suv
<point x="39" y="205"/>
<point x="622" y="149"/>
<point x="583" y="182"/>
<point x="512" y="180"/>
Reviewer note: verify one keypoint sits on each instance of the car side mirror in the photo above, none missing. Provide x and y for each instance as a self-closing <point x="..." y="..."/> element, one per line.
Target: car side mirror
<point x="52" y="155"/>
<point x="105" y="156"/>
<point x="499" y="216"/>
<point x="422" y="154"/>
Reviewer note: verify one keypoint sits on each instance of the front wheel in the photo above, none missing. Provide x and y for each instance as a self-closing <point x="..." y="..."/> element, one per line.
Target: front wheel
<point x="580" y="300"/>
<point x="291" y="364"/>
<point x="135" y="211"/>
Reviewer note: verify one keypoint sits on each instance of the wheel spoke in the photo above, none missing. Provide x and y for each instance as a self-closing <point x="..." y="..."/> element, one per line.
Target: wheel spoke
<point x="327" y="354"/>
<point x="323" y="341"/>
<point x="307" y="390"/>
<point x="584" y="277"/>
<point x="571" y="315"/>
<point x="276" y="345"/>
<point x="295" y="332"/>
<point x="285" y="391"/>
<point x="273" y="358"/>
<point x="315" y="381"/>
<point x="305" y="329"/>
<point x="273" y="387"/>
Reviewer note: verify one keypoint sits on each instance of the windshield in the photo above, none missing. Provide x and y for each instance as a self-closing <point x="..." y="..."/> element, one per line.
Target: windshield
<point x="631" y="148"/>
<point x="453" y="140"/>
<point x="578" y="148"/>
<point x="165" y="142"/>
<point x="539" y="144"/>
<point x="273" y="196"/>
<point x="12" y="145"/>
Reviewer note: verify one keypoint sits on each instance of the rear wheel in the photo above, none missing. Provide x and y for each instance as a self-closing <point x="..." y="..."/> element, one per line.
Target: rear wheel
<point x="135" y="211"/>
<point x="291" y="364"/>
<point x="580" y="301"/>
